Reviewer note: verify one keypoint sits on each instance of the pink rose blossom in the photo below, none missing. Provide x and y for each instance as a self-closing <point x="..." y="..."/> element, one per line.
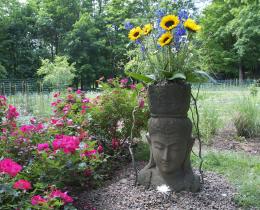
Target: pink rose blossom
<point x="43" y="146"/>
<point x="87" y="172"/>
<point x="27" y="128"/>
<point x="63" y="195"/>
<point x="85" y="100"/>
<point x="90" y="153"/>
<point x="69" y="122"/>
<point x="124" y="81"/>
<point x="32" y="120"/>
<point x="115" y="144"/>
<point x="12" y="112"/>
<point x="141" y="103"/>
<point x="69" y="89"/>
<point x="10" y="167"/>
<point x="100" y="149"/>
<point x="22" y="185"/>
<point x="57" y="94"/>
<point x="37" y="199"/>
<point x="78" y="91"/>
<point x="132" y="86"/>
<point x="68" y="144"/>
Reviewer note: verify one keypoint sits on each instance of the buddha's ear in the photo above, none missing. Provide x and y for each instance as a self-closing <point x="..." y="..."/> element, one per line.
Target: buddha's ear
<point x="148" y="138"/>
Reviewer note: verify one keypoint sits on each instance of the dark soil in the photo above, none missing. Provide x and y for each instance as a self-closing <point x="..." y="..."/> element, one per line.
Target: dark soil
<point x="227" y="139"/>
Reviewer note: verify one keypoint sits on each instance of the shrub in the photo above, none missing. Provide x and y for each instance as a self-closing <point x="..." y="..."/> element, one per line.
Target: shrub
<point x="111" y="114"/>
<point x="247" y="117"/>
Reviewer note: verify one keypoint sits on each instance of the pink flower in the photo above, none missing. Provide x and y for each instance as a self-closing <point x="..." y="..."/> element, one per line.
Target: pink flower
<point x="22" y="185"/>
<point x="68" y="144"/>
<point x="37" y="199"/>
<point x="32" y="120"/>
<point x="115" y="144"/>
<point x="90" y="153"/>
<point x="85" y="100"/>
<point x="124" y="81"/>
<point x="66" y="108"/>
<point x="132" y="86"/>
<point x="12" y="113"/>
<point x="43" y="146"/>
<point x="69" y="122"/>
<point x="100" y="149"/>
<point x="88" y="172"/>
<point x="84" y="107"/>
<point x="57" y="122"/>
<point x="56" y="144"/>
<point x="57" y="94"/>
<point x="69" y="89"/>
<point x="141" y="103"/>
<point x="78" y="91"/>
<point x="27" y="128"/>
<point x="70" y="97"/>
<point x="2" y="98"/>
<point x="10" y="167"/>
<point x="39" y="127"/>
<point x="63" y="195"/>
<point x="54" y="103"/>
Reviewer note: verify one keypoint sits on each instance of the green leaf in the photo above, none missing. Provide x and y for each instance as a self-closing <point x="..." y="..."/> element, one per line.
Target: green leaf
<point x="140" y="77"/>
<point x="178" y="76"/>
<point x="167" y="74"/>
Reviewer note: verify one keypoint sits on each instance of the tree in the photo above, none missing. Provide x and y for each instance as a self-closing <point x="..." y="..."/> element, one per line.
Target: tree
<point x="230" y="33"/>
<point x="59" y="73"/>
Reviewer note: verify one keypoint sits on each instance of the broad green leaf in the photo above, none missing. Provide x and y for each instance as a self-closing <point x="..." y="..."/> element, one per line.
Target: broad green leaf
<point x="140" y="77"/>
<point x="178" y="76"/>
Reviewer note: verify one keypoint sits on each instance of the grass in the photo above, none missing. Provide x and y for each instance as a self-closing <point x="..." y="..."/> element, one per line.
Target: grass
<point x="240" y="169"/>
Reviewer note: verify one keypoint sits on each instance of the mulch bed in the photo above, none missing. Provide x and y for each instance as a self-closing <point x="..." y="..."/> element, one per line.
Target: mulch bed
<point x="120" y="193"/>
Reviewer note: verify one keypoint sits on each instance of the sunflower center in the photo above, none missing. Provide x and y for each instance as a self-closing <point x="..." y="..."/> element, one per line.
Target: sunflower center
<point x="169" y="23"/>
<point x="165" y="40"/>
<point x="136" y="34"/>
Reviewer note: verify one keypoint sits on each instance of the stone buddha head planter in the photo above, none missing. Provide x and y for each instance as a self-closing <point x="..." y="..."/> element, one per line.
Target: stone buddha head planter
<point x="170" y="147"/>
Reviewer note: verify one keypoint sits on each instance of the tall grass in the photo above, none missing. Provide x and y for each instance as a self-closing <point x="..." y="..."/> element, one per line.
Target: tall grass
<point x="247" y="117"/>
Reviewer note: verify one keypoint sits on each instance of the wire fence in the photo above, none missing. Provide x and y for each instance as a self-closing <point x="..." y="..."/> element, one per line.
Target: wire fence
<point x="12" y="87"/>
<point x="30" y="86"/>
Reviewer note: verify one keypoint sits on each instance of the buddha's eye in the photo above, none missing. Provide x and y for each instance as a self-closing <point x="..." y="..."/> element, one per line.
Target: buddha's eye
<point x="158" y="146"/>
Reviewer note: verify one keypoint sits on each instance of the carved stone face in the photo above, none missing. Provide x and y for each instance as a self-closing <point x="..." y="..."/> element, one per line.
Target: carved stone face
<point x="169" y="152"/>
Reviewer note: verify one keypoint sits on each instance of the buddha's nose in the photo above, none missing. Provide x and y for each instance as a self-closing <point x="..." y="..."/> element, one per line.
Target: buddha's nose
<point x="165" y="155"/>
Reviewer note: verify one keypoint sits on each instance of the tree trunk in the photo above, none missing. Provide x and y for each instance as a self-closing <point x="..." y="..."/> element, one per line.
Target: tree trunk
<point x="241" y="73"/>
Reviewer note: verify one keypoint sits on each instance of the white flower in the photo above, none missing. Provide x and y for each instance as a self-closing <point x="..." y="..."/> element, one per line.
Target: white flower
<point x="163" y="188"/>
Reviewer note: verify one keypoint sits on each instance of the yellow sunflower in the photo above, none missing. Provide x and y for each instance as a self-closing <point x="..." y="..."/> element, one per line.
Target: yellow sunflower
<point x="165" y="39"/>
<point x="135" y="33"/>
<point x="191" y="25"/>
<point x="169" y="22"/>
<point x="147" y="28"/>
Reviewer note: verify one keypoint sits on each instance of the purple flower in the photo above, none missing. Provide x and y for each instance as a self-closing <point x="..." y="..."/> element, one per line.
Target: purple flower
<point x="180" y="31"/>
<point x="128" y="26"/>
<point x="142" y="48"/>
<point x="183" y="15"/>
<point x="160" y="13"/>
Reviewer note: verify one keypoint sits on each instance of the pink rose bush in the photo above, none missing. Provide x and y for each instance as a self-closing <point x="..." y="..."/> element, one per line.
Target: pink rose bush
<point x="70" y="148"/>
